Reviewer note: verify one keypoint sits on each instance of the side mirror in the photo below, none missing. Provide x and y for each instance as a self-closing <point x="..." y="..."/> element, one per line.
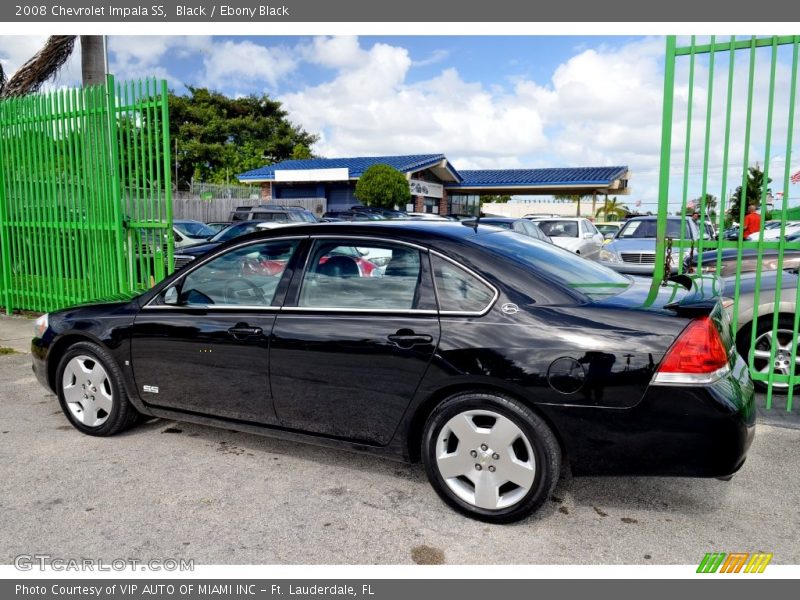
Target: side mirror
<point x="171" y="296"/>
<point x="588" y="236"/>
<point x="609" y="236"/>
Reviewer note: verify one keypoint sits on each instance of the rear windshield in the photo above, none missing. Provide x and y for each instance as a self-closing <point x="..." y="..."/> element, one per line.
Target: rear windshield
<point x="559" y="228"/>
<point x="235" y="230"/>
<point x="194" y="229"/>
<point x="646" y="228"/>
<point x="556" y="264"/>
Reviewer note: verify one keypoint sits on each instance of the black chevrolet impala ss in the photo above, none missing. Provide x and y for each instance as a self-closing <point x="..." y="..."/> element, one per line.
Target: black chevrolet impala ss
<point x="491" y="357"/>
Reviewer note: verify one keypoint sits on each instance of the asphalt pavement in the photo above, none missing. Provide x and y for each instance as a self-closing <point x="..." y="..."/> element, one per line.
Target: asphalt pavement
<point x="172" y="490"/>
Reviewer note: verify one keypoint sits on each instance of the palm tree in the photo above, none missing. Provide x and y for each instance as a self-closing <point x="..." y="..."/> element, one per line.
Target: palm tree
<point x="45" y="64"/>
<point x="612" y="208"/>
<point x="576" y="198"/>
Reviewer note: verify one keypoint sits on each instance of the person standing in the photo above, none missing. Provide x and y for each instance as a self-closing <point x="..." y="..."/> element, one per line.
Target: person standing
<point x="752" y="222"/>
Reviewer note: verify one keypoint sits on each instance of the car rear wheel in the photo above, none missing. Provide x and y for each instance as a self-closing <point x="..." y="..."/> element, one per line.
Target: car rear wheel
<point x="91" y="393"/>
<point x="762" y="350"/>
<point x="490" y="457"/>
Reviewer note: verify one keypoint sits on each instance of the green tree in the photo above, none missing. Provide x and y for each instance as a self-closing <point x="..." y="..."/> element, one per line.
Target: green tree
<point x="755" y="185"/>
<point x="301" y="152"/>
<point x="576" y="198"/>
<point x="219" y="137"/>
<point x="384" y="186"/>
<point x="612" y="209"/>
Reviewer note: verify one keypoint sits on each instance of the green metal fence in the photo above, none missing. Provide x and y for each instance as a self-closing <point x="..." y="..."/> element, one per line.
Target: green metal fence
<point x="85" y="194"/>
<point x="729" y="121"/>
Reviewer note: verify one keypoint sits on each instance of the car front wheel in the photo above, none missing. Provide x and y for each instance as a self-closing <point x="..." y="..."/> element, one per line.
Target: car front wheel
<point x="490" y="457"/>
<point x="763" y="350"/>
<point x="91" y="393"/>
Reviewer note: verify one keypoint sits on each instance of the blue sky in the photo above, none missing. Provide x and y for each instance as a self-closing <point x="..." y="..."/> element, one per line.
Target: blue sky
<point x="484" y="101"/>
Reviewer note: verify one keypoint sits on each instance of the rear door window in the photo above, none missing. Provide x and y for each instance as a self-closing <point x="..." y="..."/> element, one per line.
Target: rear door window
<point x="458" y="290"/>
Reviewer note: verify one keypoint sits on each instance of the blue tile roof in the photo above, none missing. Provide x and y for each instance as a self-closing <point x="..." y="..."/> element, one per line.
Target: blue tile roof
<point x="356" y="165"/>
<point x="540" y="177"/>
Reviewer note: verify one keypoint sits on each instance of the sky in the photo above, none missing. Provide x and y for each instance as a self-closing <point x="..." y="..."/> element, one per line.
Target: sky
<point x="483" y="101"/>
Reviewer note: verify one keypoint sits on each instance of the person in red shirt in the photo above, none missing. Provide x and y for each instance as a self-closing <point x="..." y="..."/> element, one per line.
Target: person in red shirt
<point x="752" y="222"/>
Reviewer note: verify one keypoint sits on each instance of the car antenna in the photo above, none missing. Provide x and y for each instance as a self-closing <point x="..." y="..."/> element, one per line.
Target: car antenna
<point x="477" y="220"/>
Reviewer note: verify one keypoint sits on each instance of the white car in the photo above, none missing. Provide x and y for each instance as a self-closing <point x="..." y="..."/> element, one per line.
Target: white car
<point x="772" y="232"/>
<point x="575" y="234"/>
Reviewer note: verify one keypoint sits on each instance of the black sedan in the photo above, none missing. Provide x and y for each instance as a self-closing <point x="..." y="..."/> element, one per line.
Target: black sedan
<point x="492" y="357"/>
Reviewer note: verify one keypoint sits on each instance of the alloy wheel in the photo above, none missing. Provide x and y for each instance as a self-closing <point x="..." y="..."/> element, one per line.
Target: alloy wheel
<point x="485" y="459"/>
<point x="87" y="391"/>
<point x="782" y="362"/>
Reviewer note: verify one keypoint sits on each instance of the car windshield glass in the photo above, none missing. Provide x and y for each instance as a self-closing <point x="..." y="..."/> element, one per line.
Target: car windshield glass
<point x="565" y="268"/>
<point x="559" y="228"/>
<point x="195" y="230"/>
<point x="607" y="229"/>
<point x="503" y="224"/>
<point x="646" y="228"/>
<point x="235" y="230"/>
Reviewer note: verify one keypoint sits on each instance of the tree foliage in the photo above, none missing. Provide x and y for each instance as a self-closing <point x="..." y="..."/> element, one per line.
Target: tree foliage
<point x="755" y="185"/>
<point x="384" y="186"/>
<point x="576" y="198"/>
<point x="612" y="209"/>
<point x="219" y="137"/>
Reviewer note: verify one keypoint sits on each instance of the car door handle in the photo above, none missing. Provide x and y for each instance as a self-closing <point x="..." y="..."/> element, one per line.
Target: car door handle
<point x="407" y="339"/>
<point x="241" y="331"/>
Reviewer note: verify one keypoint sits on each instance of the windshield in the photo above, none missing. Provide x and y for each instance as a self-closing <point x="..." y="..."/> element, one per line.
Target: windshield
<point x="235" y="230"/>
<point x="604" y="229"/>
<point x="565" y="268"/>
<point x="559" y="228"/>
<point x="194" y="229"/>
<point x="646" y="228"/>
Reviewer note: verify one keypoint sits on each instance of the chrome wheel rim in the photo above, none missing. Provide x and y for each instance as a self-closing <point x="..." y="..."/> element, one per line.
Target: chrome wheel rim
<point x="485" y="459"/>
<point x="781" y="365"/>
<point x="87" y="391"/>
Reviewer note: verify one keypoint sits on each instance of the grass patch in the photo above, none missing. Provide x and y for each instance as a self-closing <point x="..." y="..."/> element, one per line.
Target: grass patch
<point x="4" y="350"/>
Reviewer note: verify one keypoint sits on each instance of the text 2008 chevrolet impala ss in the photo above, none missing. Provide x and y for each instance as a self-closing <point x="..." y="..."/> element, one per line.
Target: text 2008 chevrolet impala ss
<point x="492" y="357"/>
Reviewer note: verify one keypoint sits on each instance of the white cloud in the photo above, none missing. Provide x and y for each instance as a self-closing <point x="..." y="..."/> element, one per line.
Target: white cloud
<point x="235" y="65"/>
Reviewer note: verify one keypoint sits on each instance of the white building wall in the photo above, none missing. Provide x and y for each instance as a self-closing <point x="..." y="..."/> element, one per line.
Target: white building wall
<point x="520" y="209"/>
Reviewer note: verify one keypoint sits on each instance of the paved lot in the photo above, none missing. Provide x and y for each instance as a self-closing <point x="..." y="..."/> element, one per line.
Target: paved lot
<point x="171" y="489"/>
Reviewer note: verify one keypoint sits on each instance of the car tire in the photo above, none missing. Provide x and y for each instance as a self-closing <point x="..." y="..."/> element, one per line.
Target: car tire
<point x="502" y="468"/>
<point x="91" y="393"/>
<point x="785" y="332"/>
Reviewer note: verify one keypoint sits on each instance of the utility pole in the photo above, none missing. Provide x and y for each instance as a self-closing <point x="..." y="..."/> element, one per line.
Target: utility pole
<point x="94" y="60"/>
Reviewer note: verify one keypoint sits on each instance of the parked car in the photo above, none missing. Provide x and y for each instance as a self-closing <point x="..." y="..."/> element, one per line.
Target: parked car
<point x="186" y="232"/>
<point x="386" y="213"/>
<point x="764" y="339"/>
<point x="633" y="250"/>
<point x="218" y="226"/>
<point x="773" y="233"/>
<point x="423" y="216"/>
<point x="609" y="229"/>
<point x="189" y="253"/>
<point x="521" y="226"/>
<point x="749" y="258"/>
<point x="490" y="356"/>
<point x="352" y="215"/>
<point x="274" y="212"/>
<point x="576" y="234"/>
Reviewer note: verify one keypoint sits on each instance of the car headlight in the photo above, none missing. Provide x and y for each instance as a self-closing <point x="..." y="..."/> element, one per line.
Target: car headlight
<point x="608" y="255"/>
<point x="40" y="325"/>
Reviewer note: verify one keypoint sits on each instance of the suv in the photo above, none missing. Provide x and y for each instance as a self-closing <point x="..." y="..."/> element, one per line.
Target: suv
<point x="272" y="212"/>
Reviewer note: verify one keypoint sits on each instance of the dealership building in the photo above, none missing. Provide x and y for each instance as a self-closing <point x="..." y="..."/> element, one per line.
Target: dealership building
<point x="436" y="185"/>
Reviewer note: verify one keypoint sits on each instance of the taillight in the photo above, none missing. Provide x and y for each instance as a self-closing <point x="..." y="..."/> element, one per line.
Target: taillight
<point x="698" y="356"/>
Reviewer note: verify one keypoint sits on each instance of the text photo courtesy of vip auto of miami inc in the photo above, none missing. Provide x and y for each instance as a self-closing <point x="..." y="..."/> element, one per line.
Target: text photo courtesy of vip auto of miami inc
<point x="399" y="300"/>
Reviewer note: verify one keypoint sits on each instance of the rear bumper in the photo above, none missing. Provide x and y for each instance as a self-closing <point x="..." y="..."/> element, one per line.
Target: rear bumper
<point x="702" y="431"/>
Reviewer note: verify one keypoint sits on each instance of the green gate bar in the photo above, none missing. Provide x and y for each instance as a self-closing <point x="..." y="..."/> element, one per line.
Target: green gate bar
<point x="77" y="223"/>
<point x="760" y="58"/>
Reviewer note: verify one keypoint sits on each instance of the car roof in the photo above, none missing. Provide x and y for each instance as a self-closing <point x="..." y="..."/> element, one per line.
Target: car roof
<point x="562" y="219"/>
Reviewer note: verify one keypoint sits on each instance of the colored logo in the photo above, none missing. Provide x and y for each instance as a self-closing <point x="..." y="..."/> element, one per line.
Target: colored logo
<point x="734" y="562"/>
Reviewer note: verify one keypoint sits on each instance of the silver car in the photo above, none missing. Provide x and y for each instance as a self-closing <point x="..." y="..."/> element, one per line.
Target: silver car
<point x="764" y="340"/>
<point x="575" y="234"/>
<point x="633" y="249"/>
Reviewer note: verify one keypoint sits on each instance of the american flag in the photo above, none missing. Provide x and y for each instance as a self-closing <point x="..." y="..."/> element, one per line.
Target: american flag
<point x="795" y="178"/>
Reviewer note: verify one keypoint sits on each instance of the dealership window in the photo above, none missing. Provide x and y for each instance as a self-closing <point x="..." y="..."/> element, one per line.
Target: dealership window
<point x="431" y="205"/>
<point x="465" y="204"/>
